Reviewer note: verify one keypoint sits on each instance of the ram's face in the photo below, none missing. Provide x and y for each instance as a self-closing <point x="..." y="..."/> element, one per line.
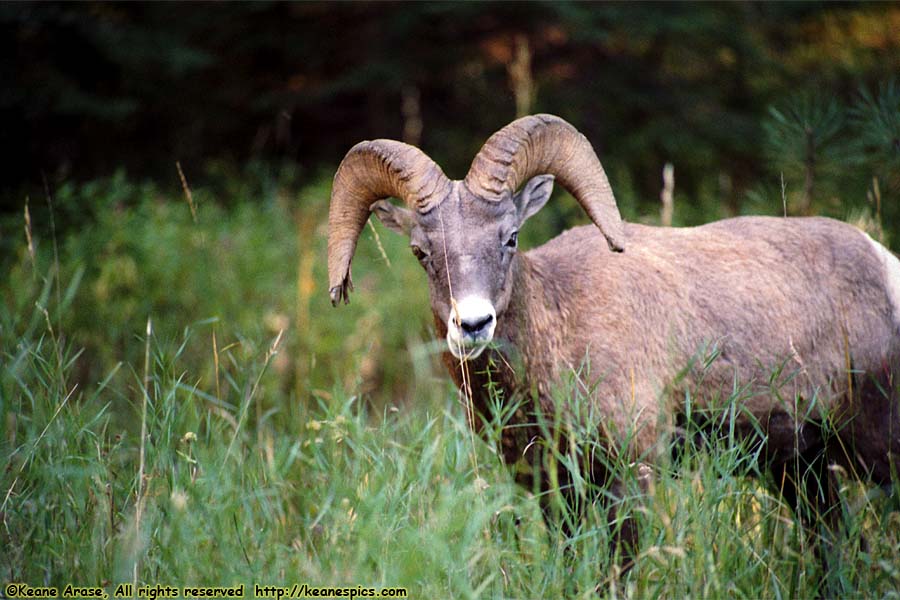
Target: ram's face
<point x="465" y="232"/>
<point x="467" y="246"/>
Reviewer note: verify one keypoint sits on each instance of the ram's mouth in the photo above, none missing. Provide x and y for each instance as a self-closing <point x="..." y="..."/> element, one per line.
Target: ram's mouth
<point x="466" y="349"/>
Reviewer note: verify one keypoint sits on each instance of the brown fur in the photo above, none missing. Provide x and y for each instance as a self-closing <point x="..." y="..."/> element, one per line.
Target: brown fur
<point x="806" y="294"/>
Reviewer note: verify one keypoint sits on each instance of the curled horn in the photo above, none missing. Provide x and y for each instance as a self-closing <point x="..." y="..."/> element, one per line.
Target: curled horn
<point x="370" y="172"/>
<point x="547" y="144"/>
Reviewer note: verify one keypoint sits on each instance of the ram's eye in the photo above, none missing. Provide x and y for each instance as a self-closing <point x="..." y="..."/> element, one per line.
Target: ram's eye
<point x="513" y="240"/>
<point x="420" y="254"/>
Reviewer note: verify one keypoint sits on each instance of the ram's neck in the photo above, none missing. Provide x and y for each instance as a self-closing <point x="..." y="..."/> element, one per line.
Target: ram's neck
<point x="534" y="324"/>
<point x="517" y="372"/>
<point x="525" y="358"/>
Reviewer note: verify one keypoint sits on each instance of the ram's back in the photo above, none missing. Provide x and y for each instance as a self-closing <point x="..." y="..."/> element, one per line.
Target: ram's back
<point x="789" y="302"/>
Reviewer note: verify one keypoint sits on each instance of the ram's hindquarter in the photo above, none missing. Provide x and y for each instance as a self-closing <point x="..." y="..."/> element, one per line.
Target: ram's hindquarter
<point x="810" y="298"/>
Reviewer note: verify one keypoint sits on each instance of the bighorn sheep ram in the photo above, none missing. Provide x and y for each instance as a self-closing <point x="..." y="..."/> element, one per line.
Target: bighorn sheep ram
<point x="813" y="300"/>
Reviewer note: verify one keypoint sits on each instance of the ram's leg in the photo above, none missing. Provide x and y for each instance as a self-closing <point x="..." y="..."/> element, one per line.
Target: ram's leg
<point x="569" y="511"/>
<point x="866" y="441"/>
<point x="872" y="435"/>
<point x="809" y="487"/>
<point x="624" y="531"/>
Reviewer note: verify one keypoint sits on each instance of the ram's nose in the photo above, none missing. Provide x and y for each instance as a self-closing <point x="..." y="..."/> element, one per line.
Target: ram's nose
<point x="470" y="326"/>
<point x="474" y="326"/>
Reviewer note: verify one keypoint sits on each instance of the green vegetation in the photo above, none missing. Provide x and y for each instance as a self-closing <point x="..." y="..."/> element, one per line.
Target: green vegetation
<point x="290" y="442"/>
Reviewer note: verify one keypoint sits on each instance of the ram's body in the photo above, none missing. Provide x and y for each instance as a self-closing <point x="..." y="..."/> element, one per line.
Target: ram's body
<point x="802" y="297"/>
<point x="798" y="319"/>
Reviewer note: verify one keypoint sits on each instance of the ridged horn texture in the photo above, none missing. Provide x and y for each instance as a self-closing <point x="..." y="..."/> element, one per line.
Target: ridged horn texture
<point x="547" y="144"/>
<point x="372" y="171"/>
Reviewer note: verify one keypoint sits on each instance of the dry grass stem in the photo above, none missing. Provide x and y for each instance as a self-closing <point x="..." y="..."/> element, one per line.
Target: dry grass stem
<point x="667" y="196"/>
<point x="378" y="243"/>
<point x="139" y="504"/>
<point x="783" y="195"/>
<point x="187" y="191"/>
<point x="55" y="251"/>
<point x="463" y="363"/>
<point x="28" y="237"/>
<point x="216" y="364"/>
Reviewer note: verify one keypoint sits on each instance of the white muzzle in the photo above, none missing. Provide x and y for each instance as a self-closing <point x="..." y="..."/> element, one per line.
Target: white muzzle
<point x="470" y="327"/>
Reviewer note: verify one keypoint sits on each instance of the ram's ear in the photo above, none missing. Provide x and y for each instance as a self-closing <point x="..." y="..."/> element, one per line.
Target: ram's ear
<point x="396" y="218"/>
<point x="533" y="196"/>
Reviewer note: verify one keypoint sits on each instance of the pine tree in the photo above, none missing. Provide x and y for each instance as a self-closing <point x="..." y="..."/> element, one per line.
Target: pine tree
<point x="804" y="143"/>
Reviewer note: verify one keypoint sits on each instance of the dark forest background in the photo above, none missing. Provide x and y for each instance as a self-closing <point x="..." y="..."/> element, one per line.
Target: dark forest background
<point x="735" y="95"/>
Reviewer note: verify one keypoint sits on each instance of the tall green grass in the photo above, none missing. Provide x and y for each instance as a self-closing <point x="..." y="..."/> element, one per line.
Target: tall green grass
<point x="289" y="442"/>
